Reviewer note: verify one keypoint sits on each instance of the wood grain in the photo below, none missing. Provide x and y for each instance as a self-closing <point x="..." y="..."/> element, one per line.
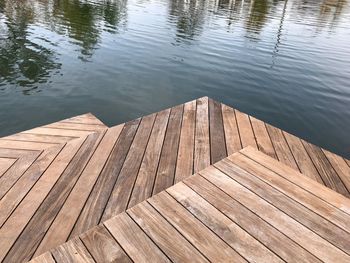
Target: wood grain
<point x="217" y="136"/>
<point x="118" y="201"/>
<point x="177" y="248"/>
<point x="184" y="164"/>
<point x="232" y="136"/>
<point x="92" y="212"/>
<point x="145" y="179"/>
<point x="195" y="231"/>
<point x="102" y="246"/>
<point x="133" y="240"/>
<point x="202" y="140"/>
<point x="167" y="163"/>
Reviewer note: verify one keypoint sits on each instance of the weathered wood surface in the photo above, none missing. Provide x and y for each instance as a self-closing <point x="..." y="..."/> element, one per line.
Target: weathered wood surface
<point x="247" y="207"/>
<point x="127" y="164"/>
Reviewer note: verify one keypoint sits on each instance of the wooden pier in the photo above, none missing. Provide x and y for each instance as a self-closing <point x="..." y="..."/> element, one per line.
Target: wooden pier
<point x="60" y="182"/>
<point x="245" y="208"/>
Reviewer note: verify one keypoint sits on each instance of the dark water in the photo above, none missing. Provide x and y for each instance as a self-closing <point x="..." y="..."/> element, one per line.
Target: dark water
<point x="285" y="62"/>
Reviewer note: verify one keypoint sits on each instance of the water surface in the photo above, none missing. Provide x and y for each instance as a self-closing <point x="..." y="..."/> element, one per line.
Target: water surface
<point x="285" y="62"/>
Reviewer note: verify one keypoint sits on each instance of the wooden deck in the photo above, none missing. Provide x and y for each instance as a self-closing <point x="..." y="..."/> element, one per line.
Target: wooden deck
<point x="246" y="208"/>
<point x="22" y="153"/>
<point x="60" y="180"/>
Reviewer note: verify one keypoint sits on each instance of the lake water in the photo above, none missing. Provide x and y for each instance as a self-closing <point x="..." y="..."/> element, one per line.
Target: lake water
<point x="285" y="62"/>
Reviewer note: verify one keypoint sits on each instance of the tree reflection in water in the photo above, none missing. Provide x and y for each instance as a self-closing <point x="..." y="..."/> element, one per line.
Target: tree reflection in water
<point x="27" y="61"/>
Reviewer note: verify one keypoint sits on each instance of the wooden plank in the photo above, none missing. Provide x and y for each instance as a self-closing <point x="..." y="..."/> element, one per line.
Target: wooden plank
<point x="72" y="251"/>
<point x="217" y="136"/>
<point x="133" y="240"/>
<point x="340" y="166"/>
<point x="75" y="126"/>
<point x="245" y="130"/>
<point x="58" y="132"/>
<point x="174" y="245"/>
<point x="87" y="118"/>
<point x="121" y="192"/>
<point x="283" y="152"/>
<point x="44" y="258"/>
<point x="209" y="244"/>
<point x="49" y="208"/>
<point x="11" y="176"/>
<point x="293" y="229"/>
<point x="303" y="160"/>
<point x="22" y="145"/>
<point x="39" y="138"/>
<point x="247" y="246"/>
<point x="304" y="197"/>
<point x="5" y="164"/>
<point x="261" y="230"/>
<point x="202" y="143"/>
<point x="145" y="179"/>
<point x="262" y="137"/>
<point x="167" y="163"/>
<point x="184" y="164"/>
<point x="322" y="218"/>
<point x="347" y="161"/>
<point x="66" y="218"/>
<point x="16" y="193"/>
<point x="26" y="209"/>
<point x="102" y="246"/>
<point x="333" y="198"/>
<point x="325" y="169"/>
<point x="232" y="138"/>
<point x="15" y="153"/>
<point x="92" y="212"/>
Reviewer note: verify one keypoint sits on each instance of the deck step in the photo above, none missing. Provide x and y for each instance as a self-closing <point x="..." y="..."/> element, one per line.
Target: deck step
<point x="247" y="207"/>
<point x="89" y="173"/>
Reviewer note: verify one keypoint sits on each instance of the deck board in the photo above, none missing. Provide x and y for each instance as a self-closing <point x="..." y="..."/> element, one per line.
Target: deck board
<point x="221" y="225"/>
<point x="254" y="225"/>
<point x="5" y="164"/>
<point x="133" y="161"/>
<point x="92" y="212"/>
<point x="281" y="146"/>
<point x="102" y="245"/>
<point x="262" y="136"/>
<point x="232" y="137"/>
<point x="293" y="201"/>
<point x="184" y="164"/>
<point x="267" y="210"/>
<point x="167" y="163"/>
<point x="26" y="209"/>
<point x="325" y="169"/>
<point x="175" y="246"/>
<point x="302" y="158"/>
<point x="245" y="130"/>
<point x="217" y="137"/>
<point x="70" y="211"/>
<point x="73" y="251"/>
<point x="123" y="187"/>
<point x="202" y="140"/>
<point x="23" y="185"/>
<point x="133" y="240"/>
<point x="46" y="213"/>
<point x="145" y="179"/>
<point x="222" y="214"/>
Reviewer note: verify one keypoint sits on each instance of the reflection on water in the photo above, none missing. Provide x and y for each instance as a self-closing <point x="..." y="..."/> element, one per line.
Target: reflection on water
<point x="22" y="61"/>
<point x="189" y="17"/>
<point x="276" y="59"/>
<point x="84" y="22"/>
<point x="28" y="57"/>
